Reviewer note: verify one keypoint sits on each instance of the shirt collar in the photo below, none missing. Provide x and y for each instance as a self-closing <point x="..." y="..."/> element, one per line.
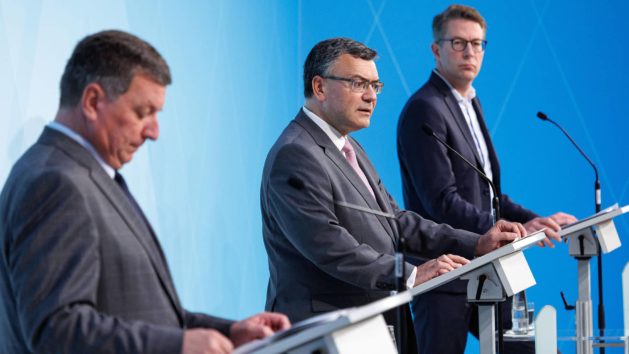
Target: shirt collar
<point x="337" y="138"/>
<point x="83" y="142"/>
<point x="470" y="96"/>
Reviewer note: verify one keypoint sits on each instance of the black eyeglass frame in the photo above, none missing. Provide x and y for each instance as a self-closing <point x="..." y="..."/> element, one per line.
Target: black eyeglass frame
<point x="483" y="44"/>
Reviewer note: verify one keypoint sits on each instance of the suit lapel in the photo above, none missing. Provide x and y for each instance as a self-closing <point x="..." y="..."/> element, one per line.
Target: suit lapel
<point x="493" y="158"/>
<point x="382" y="198"/>
<point x="337" y="158"/>
<point x="455" y="109"/>
<point x="140" y="229"/>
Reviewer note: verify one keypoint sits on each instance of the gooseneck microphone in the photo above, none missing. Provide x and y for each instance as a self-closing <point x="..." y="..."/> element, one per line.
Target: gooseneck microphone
<point x="597" y="183"/>
<point x="400" y="284"/>
<point x="597" y="207"/>
<point x="496" y="215"/>
<point x="496" y="200"/>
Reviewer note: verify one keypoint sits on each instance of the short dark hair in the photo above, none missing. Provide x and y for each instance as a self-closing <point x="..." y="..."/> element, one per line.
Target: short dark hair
<point x="111" y="59"/>
<point x="454" y="12"/>
<point x="324" y="53"/>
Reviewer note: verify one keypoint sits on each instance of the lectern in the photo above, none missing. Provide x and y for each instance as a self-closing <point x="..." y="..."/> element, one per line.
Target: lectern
<point x="360" y="330"/>
<point x="582" y="246"/>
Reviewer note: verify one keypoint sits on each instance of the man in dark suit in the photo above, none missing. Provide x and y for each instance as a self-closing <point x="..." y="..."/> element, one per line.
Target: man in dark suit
<point x="81" y="270"/>
<point x="442" y="187"/>
<point x="324" y="256"/>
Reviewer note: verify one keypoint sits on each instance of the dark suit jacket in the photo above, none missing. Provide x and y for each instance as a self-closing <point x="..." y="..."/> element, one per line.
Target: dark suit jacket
<point x="437" y="184"/>
<point x="322" y="256"/>
<point x="80" y="271"/>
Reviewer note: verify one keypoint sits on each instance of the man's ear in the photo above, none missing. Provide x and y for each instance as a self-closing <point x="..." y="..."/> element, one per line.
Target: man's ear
<point x="93" y="96"/>
<point x="434" y="47"/>
<point x="318" y="88"/>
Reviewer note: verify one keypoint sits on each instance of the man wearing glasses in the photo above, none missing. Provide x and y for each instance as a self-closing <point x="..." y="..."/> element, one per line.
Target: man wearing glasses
<point x="324" y="256"/>
<point x="442" y="187"/>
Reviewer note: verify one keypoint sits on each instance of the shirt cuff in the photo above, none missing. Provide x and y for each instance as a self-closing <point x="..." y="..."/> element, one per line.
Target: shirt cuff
<point x="410" y="282"/>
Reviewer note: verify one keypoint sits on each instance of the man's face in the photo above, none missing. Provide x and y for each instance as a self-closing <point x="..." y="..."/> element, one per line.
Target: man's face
<point x="459" y="68"/>
<point x="122" y="125"/>
<point x="344" y="109"/>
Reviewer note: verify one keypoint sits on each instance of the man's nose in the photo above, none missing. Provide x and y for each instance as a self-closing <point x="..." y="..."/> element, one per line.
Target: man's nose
<point x="370" y="94"/>
<point x="151" y="130"/>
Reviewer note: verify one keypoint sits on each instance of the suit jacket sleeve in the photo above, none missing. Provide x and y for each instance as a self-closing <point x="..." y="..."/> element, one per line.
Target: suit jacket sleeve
<point x="431" y="176"/>
<point x="426" y="239"/>
<point x="201" y="320"/>
<point x="54" y="266"/>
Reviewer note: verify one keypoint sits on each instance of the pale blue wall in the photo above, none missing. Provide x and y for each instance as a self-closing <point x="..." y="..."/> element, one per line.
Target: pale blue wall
<point x="237" y="82"/>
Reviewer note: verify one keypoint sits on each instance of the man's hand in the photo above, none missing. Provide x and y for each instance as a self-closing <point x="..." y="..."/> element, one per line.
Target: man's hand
<point x="552" y="224"/>
<point x="257" y="326"/>
<point x="436" y="267"/>
<point x="499" y="235"/>
<point x="205" y="341"/>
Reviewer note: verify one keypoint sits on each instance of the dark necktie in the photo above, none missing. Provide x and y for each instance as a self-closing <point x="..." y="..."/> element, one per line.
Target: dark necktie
<point x="123" y="185"/>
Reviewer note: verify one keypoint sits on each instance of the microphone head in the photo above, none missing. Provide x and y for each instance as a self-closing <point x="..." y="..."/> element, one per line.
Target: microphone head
<point x="542" y="116"/>
<point x="427" y="129"/>
<point x="296" y="182"/>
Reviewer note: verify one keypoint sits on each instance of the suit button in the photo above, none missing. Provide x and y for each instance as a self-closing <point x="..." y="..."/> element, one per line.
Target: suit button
<point x="486" y="192"/>
<point x="384" y="286"/>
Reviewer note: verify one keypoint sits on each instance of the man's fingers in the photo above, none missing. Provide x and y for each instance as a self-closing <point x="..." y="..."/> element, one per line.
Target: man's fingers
<point x="551" y="234"/>
<point x="563" y="218"/>
<point x="457" y="260"/>
<point x="507" y="236"/>
<point x="550" y="223"/>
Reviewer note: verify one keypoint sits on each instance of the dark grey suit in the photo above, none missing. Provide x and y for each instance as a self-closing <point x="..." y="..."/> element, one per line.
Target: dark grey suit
<point x="322" y="256"/>
<point x="443" y="188"/>
<point x="80" y="270"/>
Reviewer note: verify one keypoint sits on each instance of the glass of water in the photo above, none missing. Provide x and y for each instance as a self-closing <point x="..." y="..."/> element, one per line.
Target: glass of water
<point x="519" y="315"/>
<point x="531" y="315"/>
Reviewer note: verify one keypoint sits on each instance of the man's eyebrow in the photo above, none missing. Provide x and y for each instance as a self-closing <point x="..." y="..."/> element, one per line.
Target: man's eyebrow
<point x="363" y="78"/>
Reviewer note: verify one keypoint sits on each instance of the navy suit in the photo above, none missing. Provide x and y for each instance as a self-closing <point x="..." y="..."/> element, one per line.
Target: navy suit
<point x="440" y="186"/>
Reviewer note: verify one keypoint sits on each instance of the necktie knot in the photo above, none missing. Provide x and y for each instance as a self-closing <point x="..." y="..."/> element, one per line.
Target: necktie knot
<point x="121" y="182"/>
<point x="348" y="150"/>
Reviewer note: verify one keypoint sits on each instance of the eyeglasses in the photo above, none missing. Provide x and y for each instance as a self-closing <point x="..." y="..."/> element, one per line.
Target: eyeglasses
<point x="459" y="44"/>
<point x="359" y="85"/>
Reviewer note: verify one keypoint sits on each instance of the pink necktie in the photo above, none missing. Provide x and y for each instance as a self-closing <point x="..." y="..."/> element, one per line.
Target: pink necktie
<point x="350" y="156"/>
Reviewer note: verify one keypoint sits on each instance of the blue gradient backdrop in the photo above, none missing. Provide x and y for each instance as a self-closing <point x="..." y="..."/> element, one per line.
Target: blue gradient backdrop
<point x="237" y="82"/>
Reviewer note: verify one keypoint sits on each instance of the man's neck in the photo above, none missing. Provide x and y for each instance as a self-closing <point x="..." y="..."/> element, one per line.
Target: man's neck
<point x="462" y="87"/>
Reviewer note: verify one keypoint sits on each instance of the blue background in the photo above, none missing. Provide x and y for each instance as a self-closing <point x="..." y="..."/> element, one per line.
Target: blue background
<point x="237" y="69"/>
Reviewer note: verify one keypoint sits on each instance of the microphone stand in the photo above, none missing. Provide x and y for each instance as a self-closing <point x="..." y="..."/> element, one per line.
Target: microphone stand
<point x="400" y="285"/>
<point x="495" y="216"/>
<point x="400" y="282"/>
<point x="597" y="208"/>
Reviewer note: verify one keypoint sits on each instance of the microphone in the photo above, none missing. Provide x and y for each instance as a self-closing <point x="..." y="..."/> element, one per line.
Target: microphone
<point x="496" y="213"/>
<point x="597" y="207"/>
<point x="496" y="200"/>
<point x="597" y="183"/>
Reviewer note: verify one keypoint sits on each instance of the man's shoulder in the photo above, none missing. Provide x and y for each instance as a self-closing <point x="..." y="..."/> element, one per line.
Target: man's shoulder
<point x="294" y="143"/>
<point x="43" y="166"/>
<point x="428" y="93"/>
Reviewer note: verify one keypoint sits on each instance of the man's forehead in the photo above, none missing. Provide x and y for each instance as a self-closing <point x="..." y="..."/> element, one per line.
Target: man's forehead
<point x="349" y="65"/>
<point x="462" y="25"/>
